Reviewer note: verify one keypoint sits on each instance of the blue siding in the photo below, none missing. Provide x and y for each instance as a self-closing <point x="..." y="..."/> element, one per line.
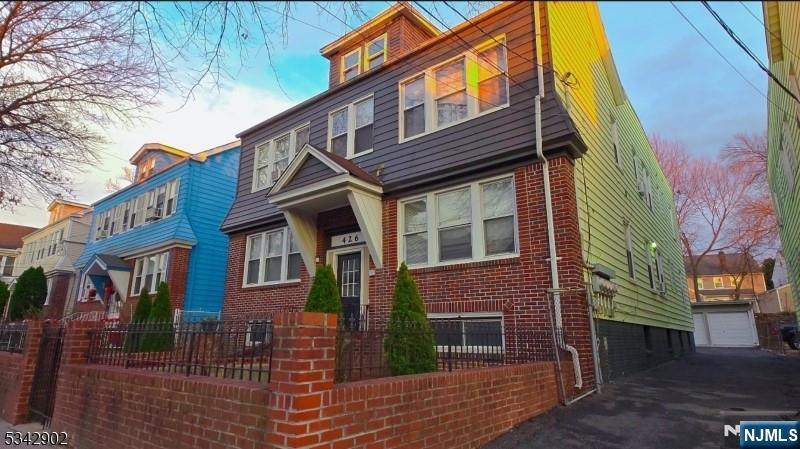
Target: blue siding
<point x="213" y="189"/>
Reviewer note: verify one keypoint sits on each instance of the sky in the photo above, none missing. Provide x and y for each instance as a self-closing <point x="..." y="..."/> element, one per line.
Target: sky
<point x="680" y="88"/>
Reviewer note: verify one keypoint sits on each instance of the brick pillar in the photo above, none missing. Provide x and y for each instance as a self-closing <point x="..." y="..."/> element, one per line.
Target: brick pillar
<point x="303" y="363"/>
<point x="19" y="408"/>
<point x="75" y="349"/>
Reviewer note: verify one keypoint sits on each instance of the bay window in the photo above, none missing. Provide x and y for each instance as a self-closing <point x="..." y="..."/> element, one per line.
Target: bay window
<point x="465" y="87"/>
<point x="148" y="272"/>
<point x="274" y="156"/>
<point x="350" y="128"/>
<point x="271" y="257"/>
<point x="470" y="222"/>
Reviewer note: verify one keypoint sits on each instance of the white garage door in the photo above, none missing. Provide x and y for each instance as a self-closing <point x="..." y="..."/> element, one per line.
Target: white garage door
<point x="724" y="329"/>
<point x="700" y="330"/>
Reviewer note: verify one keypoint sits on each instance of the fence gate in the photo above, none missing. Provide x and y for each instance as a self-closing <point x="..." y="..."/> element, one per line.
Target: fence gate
<point x="43" y="391"/>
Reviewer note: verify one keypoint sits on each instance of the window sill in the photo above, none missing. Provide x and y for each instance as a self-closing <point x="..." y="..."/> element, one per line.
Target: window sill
<point x="358" y="155"/>
<point x="276" y="284"/>
<point x="511" y="259"/>
<point x="402" y="139"/>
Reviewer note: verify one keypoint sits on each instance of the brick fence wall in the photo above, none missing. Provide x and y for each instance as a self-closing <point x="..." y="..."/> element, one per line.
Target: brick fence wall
<point x="16" y="377"/>
<point x="302" y="408"/>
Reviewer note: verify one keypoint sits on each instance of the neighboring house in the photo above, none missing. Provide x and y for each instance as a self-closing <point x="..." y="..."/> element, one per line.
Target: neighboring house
<point x="162" y="227"/>
<point x="780" y="273"/>
<point x="782" y="20"/>
<point x="726" y="277"/>
<point x="55" y="248"/>
<point x="10" y="243"/>
<point x="777" y="300"/>
<point x="424" y="150"/>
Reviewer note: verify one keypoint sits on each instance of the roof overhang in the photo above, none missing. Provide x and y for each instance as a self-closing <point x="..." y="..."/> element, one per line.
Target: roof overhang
<point x="144" y="149"/>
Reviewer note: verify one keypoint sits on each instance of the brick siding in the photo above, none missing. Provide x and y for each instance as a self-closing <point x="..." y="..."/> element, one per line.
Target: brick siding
<point x="58" y="296"/>
<point x="515" y="288"/>
<point x="16" y="377"/>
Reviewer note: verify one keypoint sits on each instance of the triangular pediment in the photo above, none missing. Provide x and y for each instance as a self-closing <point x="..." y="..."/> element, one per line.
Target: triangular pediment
<point x="312" y="166"/>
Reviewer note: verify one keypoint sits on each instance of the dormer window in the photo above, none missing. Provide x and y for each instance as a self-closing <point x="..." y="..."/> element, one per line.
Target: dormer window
<point x="146" y="168"/>
<point x="351" y="64"/>
<point x="376" y="52"/>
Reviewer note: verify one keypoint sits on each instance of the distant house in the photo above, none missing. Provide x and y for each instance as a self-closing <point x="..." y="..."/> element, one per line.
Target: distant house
<point x="55" y="248"/>
<point x="162" y="227"/>
<point x="726" y="277"/>
<point x="10" y="243"/>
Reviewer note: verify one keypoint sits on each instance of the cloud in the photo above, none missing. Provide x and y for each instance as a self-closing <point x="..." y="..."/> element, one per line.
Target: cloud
<point x="212" y="118"/>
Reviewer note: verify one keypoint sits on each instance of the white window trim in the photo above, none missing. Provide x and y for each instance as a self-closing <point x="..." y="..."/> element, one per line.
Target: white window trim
<point x="138" y="265"/>
<point x="384" y="53"/>
<point x="629" y="248"/>
<point x="472" y="316"/>
<point x="359" y="64"/>
<point x="477" y="229"/>
<point x="262" y="258"/>
<point x="351" y="127"/>
<point x="270" y="147"/>
<point x="470" y="59"/>
<point x="721" y="281"/>
<point x="616" y="151"/>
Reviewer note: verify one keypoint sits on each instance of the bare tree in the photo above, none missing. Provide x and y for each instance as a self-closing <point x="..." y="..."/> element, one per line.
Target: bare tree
<point x="125" y="178"/>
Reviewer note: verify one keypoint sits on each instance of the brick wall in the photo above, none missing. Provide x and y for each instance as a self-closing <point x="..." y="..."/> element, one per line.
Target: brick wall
<point x="514" y="287"/>
<point x="16" y="377"/>
<point x="58" y="296"/>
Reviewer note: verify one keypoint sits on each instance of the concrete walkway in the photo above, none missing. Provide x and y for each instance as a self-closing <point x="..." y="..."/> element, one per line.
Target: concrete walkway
<point x="673" y="406"/>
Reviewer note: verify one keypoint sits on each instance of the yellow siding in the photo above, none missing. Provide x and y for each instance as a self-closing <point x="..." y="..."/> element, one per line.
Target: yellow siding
<point x="607" y="193"/>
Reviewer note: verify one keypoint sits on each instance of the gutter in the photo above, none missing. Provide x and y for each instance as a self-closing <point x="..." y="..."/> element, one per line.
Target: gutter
<point x="548" y="200"/>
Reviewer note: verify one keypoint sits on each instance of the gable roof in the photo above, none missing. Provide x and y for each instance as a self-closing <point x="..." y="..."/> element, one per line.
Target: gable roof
<point x="721" y="264"/>
<point x="11" y="235"/>
<point x="335" y="165"/>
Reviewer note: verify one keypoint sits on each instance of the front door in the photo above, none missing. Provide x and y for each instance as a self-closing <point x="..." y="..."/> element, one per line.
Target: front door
<point x="348" y="276"/>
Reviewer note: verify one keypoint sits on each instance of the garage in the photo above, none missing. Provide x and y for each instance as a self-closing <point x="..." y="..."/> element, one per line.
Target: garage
<point x="724" y="324"/>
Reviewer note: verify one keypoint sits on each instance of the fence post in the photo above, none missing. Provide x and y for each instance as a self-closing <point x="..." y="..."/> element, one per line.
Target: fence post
<point x="75" y="350"/>
<point x="303" y="366"/>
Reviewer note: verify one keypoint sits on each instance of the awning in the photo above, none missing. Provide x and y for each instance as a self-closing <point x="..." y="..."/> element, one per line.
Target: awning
<point x="115" y="268"/>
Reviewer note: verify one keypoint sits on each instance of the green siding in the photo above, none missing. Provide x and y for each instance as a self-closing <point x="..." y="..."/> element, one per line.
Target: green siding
<point x="783" y="39"/>
<point x="608" y="195"/>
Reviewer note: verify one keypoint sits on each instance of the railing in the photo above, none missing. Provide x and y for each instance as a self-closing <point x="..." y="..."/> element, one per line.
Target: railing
<point x="226" y="349"/>
<point x="12" y="337"/>
<point x="445" y="346"/>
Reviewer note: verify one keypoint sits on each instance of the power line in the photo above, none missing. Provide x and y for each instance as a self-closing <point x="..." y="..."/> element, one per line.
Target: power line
<point x="747" y="49"/>
<point x="721" y="55"/>
<point x="766" y="28"/>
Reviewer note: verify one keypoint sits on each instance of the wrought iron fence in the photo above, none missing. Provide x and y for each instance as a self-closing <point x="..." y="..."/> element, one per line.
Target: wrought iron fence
<point x="446" y="345"/>
<point x="12" y="336"/>
<point x="214" y="348"/>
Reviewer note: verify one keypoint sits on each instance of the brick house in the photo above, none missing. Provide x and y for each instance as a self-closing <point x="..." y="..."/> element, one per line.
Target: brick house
<point x="429" y="148"/>
<point x="10" y="242"/>
<point x="162" y="227"/>
<point x="55" y="248"/>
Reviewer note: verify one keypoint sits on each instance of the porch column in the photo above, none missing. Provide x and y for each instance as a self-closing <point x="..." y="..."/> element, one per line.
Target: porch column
<point x="304" y="230"/>
<point x="368" y="211"/>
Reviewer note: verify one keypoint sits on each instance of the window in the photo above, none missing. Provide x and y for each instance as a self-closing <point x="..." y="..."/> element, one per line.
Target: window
<point x="172" y="198"/>
<point x="467" y="333"/>
<point x="146" y="168"/>
<point x="271" y="257"/>
<point x="49" y="291"/>
<point x="652" y="272"/>
<point x="258" y="332"/>
<point x="351" y="64"/>
<point x="787" y="157"/>
<point x="629" y="251"/>
<point x="376" y="52"/>
<point x="718" y="282"/>
<point x="7" y="265"/>
<point x="662" y="285"/>
<point x="444" y="95"/>
<point x="149" y="272"/>
<point x="274" y="156"/>
<point x="615" y="142"/>
<point x="126" y="215"/>
<point x="351" y="129"/>
<point x="471" y="222"/>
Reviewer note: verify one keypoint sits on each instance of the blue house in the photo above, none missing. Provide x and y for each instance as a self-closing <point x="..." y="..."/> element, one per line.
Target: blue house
<point x="163" y="227"/>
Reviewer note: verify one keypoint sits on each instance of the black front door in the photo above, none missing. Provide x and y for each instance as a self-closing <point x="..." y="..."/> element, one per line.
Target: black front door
<point x="348" y="276"/>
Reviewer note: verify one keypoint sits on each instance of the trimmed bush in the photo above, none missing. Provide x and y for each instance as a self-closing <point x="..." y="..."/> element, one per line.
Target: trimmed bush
<point x="409" y="346"/>
<point x="160" y="337"/>
<point x="324" y="294"/>
<point x="134" y="340"/>
<point x="29" y="294"/>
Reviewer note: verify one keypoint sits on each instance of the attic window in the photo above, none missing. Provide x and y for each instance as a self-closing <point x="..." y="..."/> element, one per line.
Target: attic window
<point x="376" y="52"/>
<point x="146" y="168"/>
<point x="351" y="64"/>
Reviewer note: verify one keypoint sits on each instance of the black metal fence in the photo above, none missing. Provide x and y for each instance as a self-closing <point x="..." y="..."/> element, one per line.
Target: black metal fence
<point x="12" y="336"/>
<point x="45" y="379"/>
<point x="226" y="349"/>
<point x="447" y="345"/>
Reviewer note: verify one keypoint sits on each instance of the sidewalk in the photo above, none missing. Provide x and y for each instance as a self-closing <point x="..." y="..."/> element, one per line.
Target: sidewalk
<point x="23" y="429"/>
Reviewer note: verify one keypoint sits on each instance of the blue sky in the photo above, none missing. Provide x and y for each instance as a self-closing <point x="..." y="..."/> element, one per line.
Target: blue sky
<point x="678" y="85"/>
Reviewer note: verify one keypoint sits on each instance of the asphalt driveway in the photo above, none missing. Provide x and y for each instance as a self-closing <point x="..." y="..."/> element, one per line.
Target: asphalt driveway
<point x="676" y="405"/>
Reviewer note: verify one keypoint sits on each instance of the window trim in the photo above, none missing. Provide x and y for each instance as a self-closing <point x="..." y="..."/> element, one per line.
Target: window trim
<point x="468" y="316"/>
<point x="721" y="282"/>
<point x="138" y="265"/>
<point x="630" y="265"/>
<point x="615" y="146"/>
<point x="385" y="52"/>
<point x="476" y="229"/>
<point x="270" y="144"/>
<point x="351" y="127"/>
<point x="429" y="106"/>
<point x="285" y="252"/>
<point x="359" y="64"/>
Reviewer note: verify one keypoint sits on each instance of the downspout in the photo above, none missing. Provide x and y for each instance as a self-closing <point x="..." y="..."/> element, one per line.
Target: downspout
<point x="548" y="200"/>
